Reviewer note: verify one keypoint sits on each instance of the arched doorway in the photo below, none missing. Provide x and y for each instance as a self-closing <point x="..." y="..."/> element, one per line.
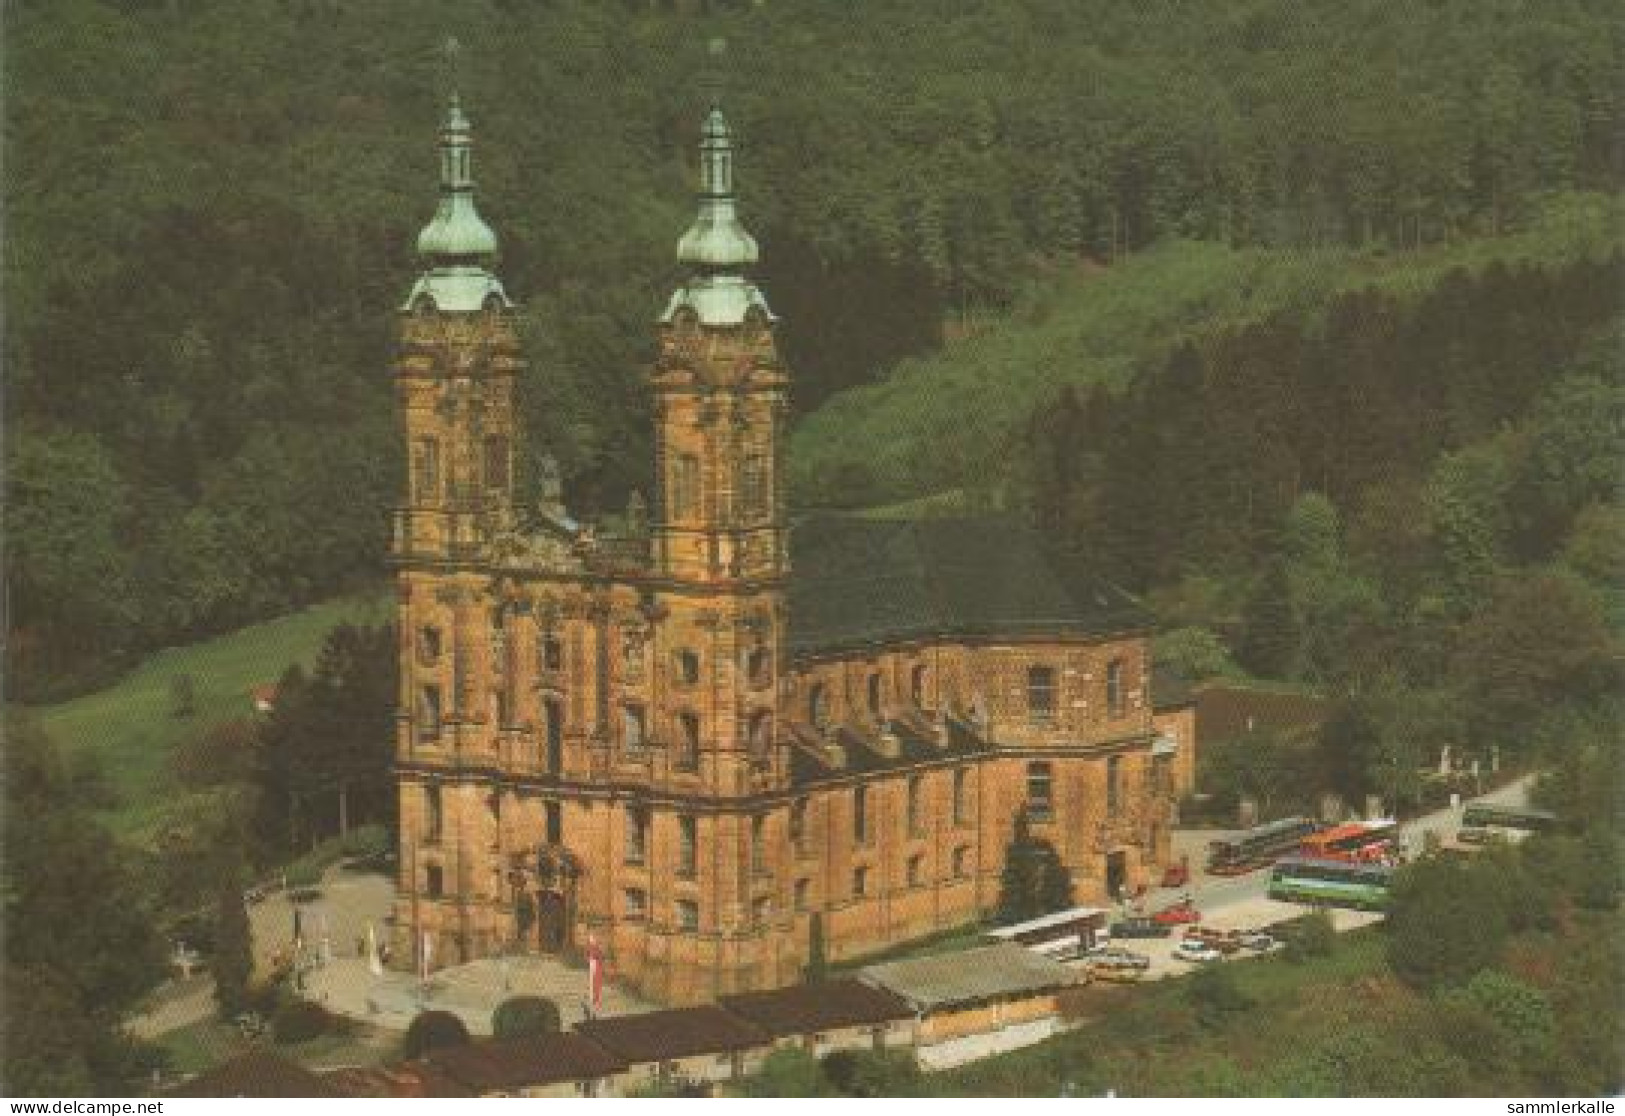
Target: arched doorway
<point x="552" y="922"/>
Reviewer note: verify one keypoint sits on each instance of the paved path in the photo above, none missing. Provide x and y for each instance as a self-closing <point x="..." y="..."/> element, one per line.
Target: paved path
<point x="470" y="991"/>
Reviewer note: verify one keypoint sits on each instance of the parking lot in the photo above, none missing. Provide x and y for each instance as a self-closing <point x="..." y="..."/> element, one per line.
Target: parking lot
<point x="1253" y="913"/>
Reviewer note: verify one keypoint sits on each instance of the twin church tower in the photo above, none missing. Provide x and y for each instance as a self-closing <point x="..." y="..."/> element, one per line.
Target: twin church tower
<point x="661" y="740"/>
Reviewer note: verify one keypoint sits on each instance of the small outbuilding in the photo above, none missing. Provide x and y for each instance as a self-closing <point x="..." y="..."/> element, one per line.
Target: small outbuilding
<point x="691" y="1047"/>
<point x="977" y="1001"/>
<point x="827" y="1016"/>
<point x="551" y="1065"/>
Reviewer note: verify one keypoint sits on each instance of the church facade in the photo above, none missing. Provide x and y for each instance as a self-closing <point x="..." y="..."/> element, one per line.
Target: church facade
<point x="708" y="744"/>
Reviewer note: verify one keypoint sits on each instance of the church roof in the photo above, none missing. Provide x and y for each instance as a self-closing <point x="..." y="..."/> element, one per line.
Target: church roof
<point x="860" y="582"/>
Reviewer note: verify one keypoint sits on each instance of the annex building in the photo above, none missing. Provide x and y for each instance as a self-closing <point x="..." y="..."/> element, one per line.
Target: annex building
<point x="714" y="739"/>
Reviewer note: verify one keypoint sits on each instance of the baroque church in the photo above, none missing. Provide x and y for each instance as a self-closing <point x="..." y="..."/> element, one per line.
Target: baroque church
<point x="713" y="745"/>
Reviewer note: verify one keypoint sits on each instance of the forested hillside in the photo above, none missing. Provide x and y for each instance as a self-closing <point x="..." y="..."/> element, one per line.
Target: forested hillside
<point x="211" y="207"/>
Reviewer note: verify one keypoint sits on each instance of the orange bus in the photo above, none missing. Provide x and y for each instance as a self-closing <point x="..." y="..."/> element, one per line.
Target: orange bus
<point x="1354" y="842"/>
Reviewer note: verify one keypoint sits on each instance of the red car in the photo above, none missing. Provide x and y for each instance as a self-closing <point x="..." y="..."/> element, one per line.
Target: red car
<point x="1177" y="914"/>
<point x="1177" y="875"/>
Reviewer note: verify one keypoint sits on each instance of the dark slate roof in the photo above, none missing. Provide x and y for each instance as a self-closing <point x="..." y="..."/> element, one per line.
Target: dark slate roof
<point x="533" y="1060"/>
<point x="861" y="581"/>
<point x="1224" y="712"/>
<point x="412" y="1079"/>
<point x="259" y="1073"/>
<point x="1170" y="689"/>
<point x="659" y="1036"/>
<point x="809" y="1008"/>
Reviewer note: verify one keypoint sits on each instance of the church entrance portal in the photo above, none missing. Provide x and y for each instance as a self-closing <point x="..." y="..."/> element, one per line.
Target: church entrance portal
<point x="1116" y="873"/>
<point x="552" y="922"/>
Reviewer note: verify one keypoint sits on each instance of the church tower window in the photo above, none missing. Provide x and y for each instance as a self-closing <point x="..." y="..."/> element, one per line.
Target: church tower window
<point x="818" y="705"/>
<point x="429" y="714"/>
<point x="426" y="470"/>
<point x="685" y="487"/>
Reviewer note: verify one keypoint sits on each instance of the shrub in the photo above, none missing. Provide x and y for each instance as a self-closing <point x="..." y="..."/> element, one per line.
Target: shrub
<point x="300" y="1020"/>
<point x="433" y="1030"/>
<point x="874" y="1073"/>
<point x="788" y="1073"/>
<point x="1312" y="936"/>
<point x="1215" y="996"/>
<point x="525" y="1015"/>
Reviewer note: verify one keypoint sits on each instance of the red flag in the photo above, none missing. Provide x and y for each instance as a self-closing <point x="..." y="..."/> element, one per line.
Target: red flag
<point x="595" y="974"/>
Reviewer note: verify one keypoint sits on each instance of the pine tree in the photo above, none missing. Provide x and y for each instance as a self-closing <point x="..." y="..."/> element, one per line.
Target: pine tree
<point x="1034" y="881"/>
<point x="233" y="963"/>
<point x="1270" y="629"/>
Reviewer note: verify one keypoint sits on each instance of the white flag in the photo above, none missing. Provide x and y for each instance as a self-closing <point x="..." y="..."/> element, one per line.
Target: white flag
<point x="427" y="953"/>
<point x="375" y="964"/>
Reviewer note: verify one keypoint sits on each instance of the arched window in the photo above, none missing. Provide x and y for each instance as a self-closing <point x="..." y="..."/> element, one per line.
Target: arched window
<point x="553" y="728"/>
<point x="753" y="501"/>
<point x="496" y="463"/>
<point x="426" y="470"/>
<point x="874" y="696"/>
<point x="916" y="684"/>
<point x="1040" y="792"/>
<point x="758" y="666"/>
<point x="434" y="816"/>
<point x="818" y="705"/>
<point x="688" y="741"/>
<point x="551" y="651"/>
<point x="1114" y="687"/>
<point x="760" y="732"/>
<point x="1041" y="694"/>
<point x="688" y="667"/>
<point x="685" y="486"/>
<point x="916" y="817"/>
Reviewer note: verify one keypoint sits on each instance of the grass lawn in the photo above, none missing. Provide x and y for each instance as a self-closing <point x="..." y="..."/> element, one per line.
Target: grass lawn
<point x="131" y="729"/>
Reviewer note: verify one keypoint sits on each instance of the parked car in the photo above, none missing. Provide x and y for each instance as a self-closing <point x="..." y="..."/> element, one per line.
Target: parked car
<point x="1117" y="955"/>
<point x="1115" y="972"/>
<point x="1179" y="914"/>
<point x="1196" y="951"/>
<point x="1140" y="928"/>
<point x="1177" y="875"/>
<point x="1225" y="941"/>
<point x="1258" y="941"/>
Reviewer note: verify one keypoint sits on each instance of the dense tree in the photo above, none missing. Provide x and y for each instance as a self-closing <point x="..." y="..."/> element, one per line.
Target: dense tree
<point x="232" y="964"/>
<point x="80" y="947"/>
<point x="1539" y="643"/>
<point x="432" y="1030"/>
<point x="1448" y="921"/>
<point x="201" y="267"/>
<point x="1034" y="881"/>
<point x="522" y="1016"/>
<point x="324" y="753"/>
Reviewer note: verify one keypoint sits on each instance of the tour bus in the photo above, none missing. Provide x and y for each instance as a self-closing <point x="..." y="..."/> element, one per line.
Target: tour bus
<point x="1257" y="846"/>
<point x="1356" y="841"/>
<point x="1333" y="883"/>
<point x="1487" y="815"/>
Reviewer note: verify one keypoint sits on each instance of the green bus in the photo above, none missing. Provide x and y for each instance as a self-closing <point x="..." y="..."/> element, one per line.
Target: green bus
<point x="1488" y="815"/>
<point x="1331" y="883"/>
